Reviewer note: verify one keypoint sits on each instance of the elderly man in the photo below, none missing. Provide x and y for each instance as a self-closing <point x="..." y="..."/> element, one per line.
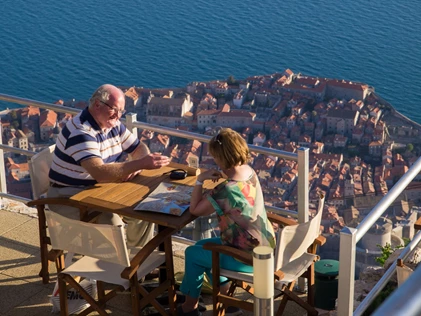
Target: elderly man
<point x="88" y="151"/>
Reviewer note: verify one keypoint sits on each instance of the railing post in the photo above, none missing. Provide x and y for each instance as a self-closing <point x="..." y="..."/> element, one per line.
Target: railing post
<point x="202" y="228"/>
<point x="197" y="229"/>
<point x="303" y="167"/>
<point x="303" y="196"/>
<point x="346" y="282"/>
<point x="3" y="184"/>
<point x="130" y="118"/>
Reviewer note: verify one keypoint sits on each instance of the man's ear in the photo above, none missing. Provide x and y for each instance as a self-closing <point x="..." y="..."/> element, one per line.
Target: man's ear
<point x="97" y="106"/>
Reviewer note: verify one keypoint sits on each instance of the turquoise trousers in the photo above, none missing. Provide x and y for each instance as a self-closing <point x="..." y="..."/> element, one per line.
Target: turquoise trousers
<point x="198" y="261"/>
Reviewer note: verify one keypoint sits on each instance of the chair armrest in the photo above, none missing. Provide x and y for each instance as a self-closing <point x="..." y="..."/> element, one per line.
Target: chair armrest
<point x="238" y="254"/>
<point x="279" y="275"/>
<point x="84" y="215"/>
<point x="320" y="241"/>
<point x="59" y="201"/>
<point x="281" y="220"/>
<point x="53" y="254"/>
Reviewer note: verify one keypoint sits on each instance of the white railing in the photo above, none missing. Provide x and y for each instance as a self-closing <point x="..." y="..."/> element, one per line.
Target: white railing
<point x="347" y="247"/>
<point x="302" y="156"/>
<point x="348" y="237"/>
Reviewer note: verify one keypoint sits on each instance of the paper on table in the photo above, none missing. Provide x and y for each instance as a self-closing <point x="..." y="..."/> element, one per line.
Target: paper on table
<point x="168" y="198"/>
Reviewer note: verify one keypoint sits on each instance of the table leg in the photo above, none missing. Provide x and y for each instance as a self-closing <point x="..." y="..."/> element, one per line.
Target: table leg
<point x="162" y="272"/>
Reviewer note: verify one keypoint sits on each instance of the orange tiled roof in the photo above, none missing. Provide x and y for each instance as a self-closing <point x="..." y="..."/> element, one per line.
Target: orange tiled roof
<point x="48" y="119"/>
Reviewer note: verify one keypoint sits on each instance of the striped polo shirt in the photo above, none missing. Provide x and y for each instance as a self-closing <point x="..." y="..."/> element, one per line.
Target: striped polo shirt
<point x="82" y="138"/>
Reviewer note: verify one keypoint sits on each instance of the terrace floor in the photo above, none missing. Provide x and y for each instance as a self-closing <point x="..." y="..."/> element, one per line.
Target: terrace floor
<point x="21" y="290"/>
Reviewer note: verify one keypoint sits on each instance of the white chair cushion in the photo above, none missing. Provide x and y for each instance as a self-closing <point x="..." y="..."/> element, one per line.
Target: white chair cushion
<point x="92" y="268"/>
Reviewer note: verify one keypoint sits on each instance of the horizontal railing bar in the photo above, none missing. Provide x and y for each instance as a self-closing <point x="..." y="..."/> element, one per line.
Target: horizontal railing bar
<point x="16" y="150"/>
<point x="32" y="153"/>
<point x="157" y="128"/>
<point x="183" y="240"/>
<point x="387" y="276"/>
<point x="281" y="211"/>
<point x="388" y="199"/>
<point x="14" y="197"/>
<point x="206" y="139"/>
<point x="43" y="105"/>
<point x="172" y="131"/>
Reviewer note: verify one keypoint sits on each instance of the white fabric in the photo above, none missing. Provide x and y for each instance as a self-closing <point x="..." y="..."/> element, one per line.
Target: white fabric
<point x="39" y="167"/>
<point x="103" y="246"/>
<point x="291" y="255"/>
<point x="104" y="242"/>
<point x="294" y="240"/>
<point x="291" y="271"/>
<point x="92" y="268"/>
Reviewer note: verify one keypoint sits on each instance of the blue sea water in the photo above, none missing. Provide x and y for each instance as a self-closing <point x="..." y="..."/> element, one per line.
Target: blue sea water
<point x="53" y="50"/>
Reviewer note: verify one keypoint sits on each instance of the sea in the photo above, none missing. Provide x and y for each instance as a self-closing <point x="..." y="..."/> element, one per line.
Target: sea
<point x="52" y="50"/>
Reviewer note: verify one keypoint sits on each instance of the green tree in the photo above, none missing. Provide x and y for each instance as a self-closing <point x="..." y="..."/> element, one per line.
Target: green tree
<point x="13" y="115"/>
<point x="387" y="251"/>
<point x="231" y="80"/>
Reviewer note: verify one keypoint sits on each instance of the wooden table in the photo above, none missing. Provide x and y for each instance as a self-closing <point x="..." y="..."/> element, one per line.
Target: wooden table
<point x="122" y="198"/>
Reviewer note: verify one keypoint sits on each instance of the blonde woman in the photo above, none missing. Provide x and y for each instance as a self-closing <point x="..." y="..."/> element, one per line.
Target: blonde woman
<point x="239" y="206"/>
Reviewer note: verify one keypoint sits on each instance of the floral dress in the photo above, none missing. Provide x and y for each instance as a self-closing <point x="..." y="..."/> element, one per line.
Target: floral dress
<point x="241" y="214"/>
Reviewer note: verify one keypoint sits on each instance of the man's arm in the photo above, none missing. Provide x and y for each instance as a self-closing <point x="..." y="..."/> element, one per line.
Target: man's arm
<point x="141" y="151"/>
<point x="120" y="171"/>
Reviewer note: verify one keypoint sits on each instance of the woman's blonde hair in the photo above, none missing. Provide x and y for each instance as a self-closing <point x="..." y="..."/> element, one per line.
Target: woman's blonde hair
<point x="230" y="148"/>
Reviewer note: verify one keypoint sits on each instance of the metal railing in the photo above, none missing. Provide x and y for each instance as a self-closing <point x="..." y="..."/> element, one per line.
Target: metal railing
<point x="348" y="236"/>
<point x="347" y="249"/>
<point x="302" y="156"/>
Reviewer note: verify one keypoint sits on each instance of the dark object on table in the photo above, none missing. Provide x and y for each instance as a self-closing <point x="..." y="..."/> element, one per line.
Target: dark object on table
<point x="177" y="174"/>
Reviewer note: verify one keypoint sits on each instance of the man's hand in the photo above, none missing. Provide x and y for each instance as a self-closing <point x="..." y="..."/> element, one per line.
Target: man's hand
<point x="154" y="161"/>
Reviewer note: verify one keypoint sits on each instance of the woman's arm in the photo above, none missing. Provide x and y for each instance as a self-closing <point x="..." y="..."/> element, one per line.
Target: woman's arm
<point x="199" y="204"/>
<point x="202" y="206"/>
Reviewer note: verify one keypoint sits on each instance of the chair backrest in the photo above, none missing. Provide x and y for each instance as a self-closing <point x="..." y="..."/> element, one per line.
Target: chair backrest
<point x="39" y="167"/>
<point x="293" y="241"/>
<point x="104" y="242"/>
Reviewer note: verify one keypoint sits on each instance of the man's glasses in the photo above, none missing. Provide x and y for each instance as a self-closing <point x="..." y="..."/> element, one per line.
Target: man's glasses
<point x="116" y="111"/>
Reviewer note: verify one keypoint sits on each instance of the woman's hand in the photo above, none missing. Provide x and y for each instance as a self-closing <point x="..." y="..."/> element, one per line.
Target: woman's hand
<point x="213" y="175"/>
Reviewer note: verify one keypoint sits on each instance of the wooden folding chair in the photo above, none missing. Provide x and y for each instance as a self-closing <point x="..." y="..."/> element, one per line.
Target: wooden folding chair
<point x="295" y="255"/>
<point x="39" y="167"/>
<point x="107" y="259"/>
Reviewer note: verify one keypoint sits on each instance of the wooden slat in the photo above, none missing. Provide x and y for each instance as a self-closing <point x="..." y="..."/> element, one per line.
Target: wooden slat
<point x="122" y="198"/>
